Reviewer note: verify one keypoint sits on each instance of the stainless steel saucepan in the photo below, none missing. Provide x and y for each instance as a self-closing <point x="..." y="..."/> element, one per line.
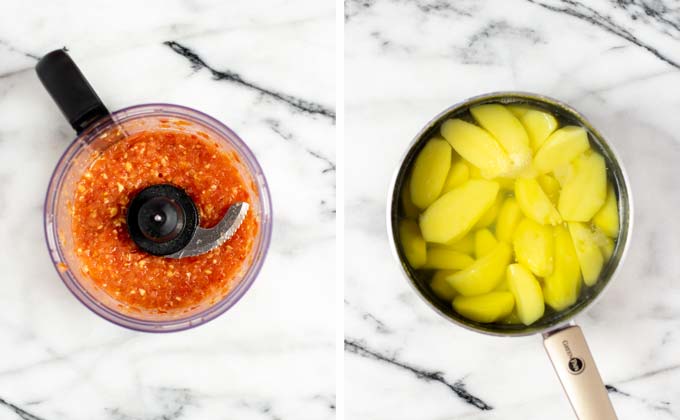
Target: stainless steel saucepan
<point x="563" y="339"/>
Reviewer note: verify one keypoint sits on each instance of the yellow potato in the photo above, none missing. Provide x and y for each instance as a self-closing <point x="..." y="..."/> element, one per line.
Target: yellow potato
<point x="476" y="146"/>
<point x="534" y="203"/>
<point x="588" y="252"/>
<point x="466" y="244"/>
<point x="527" y="293"/>
<point x="512" y="319"/>
<point x="440" y="258"/>
<point x="502" y="286"/>
<point x="456" y="212"/>
<point x="519" y="110"/>
<point x="485" y="308"/>
<point x="534" y="247"/>
<point x="508" y="218"/>
<point x="561" y="147"/>
<point x="563" y="173"/>
<point x="412" y="243"/>
<point x="605" y="243"/>
<point x="607" y="218"/>
<point x="429" y="172"/>
<point x="607" y="249"/>
<point x="410" y="210"/>
<point x="552" y="225"/>
<point x="484" y="274"/>
<point x="562" y="287"/>
<point x="441" y="287"/>
<point x="458" y="175"/>
<point x="476" y="173"/>
<point x="585" y="190"/>
<point x="527" y="172"/>
<point x="550" y="186"/>
<point x="484" y="242"/>
<point x="539" y="125"/>
<point x="507" y="184"/>
<point x="508" y="130"/>
<point x="490" y="215"/>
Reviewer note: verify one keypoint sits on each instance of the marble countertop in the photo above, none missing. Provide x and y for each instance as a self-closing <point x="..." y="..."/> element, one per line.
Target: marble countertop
<point x="618" y="63"/>
<point x="266" y="69"/>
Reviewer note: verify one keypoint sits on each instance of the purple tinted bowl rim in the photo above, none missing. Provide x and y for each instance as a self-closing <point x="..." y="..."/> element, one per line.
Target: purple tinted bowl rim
<point x="228" y="301"/>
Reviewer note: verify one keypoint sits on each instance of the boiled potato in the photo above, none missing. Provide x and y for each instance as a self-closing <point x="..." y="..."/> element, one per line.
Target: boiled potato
<point x="508" y="130"/>
<point x="485" y="242"/>
<point x="563" y="173"/>
<point x="534" y="247"/>
<point x="518" y="110"/>
<point x="441" y="287"/>
<point x="585" y="191"/>
<point x="588" y="252"/>
<point x="534" y="203"/>
<point x="562" y="287"/>
<point x="607" y="218"/>
<point x="561" y="147"/>
<point x="506" y="234"/>
<point x="458" y="175"/>
<point x="485" y="308"/>
<point x="527" y="172"/>
<point x="508" y="218"/>
<point x="475" y="173"/>
<point x="607" y="248"/>
<point x="410" y="210"/>
<point x="605" y="243"/>
<point x="430" y="171"/>
<point x="490" y="215"/>
<point x="412" y="243"/>
<point x="507" y="184"/>
<point x="502" y="286"/>
<point x="484" y="274"/>
<point x="446" y="259"/>
<point x="454" y="213"/>
<point x="476" y="146"/>
<point x="550" y="186"/>
<point x="539" y="125"/>
<point x="512" y="319"/>
<point x="466" y="244"/>
<point x="527" y="293"/>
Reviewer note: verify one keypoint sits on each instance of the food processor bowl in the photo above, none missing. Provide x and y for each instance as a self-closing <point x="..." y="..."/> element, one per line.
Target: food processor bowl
<point x="80" y="155"/>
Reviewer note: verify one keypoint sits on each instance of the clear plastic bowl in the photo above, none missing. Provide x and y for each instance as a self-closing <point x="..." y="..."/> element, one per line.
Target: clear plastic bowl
<point x="80" y="155"/>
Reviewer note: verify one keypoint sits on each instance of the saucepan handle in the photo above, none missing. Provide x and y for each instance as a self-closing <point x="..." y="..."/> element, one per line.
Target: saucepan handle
<point x="574" y="365"/>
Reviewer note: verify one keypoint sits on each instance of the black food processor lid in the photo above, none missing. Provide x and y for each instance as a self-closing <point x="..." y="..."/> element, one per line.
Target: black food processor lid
<point x="162" y="219"/>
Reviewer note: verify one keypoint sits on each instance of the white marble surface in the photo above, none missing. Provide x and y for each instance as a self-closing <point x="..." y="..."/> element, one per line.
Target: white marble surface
<point x="616" y="61"/>
<point x="272" y="355"/>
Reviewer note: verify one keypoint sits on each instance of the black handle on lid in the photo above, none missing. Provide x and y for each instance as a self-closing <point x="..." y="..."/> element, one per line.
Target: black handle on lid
<point x="70" y="90"/>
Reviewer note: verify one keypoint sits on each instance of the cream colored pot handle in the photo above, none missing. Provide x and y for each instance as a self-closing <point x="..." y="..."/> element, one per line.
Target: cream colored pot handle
<point x="580" y="379"/>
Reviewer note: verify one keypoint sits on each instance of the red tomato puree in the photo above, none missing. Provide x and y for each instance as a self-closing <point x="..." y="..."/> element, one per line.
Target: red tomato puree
<point x="110" y="258"/>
